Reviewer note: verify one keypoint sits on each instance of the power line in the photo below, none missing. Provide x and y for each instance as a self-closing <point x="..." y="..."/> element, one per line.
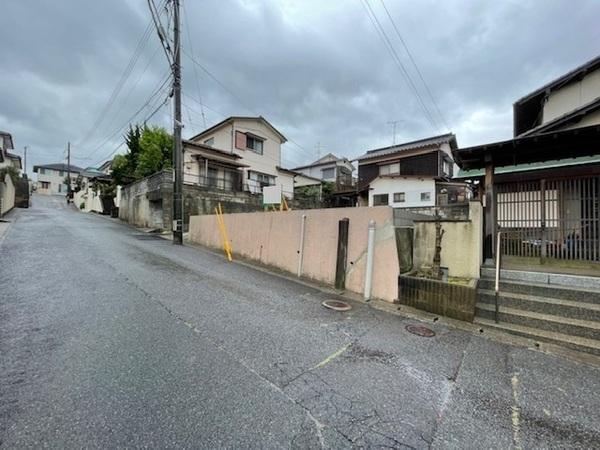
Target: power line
<point x="150" y="99"/>
<point x="187" y="28"/>
<point x="216" y="80"/>
<point x="241" y="102"/>
<point x="375" y="21"/>
<point x="146" y="119"/>
<point x="125" y="100"/>
<point x="414" y="63"/>
<point x="120" y="83"/>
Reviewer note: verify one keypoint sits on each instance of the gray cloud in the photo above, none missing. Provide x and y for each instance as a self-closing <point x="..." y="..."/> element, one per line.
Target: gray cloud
<point x="317" y="70"/>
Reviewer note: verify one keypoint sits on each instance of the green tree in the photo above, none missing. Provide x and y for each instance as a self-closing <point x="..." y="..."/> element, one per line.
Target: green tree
<point x="156" y="151"/>
<point x="122" y="173"/>
<point x="132" y="139"/>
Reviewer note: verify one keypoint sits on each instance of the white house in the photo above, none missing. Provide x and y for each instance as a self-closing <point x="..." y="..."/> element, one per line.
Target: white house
<point x="86" y="194"/>
<point x="240" y="154"/>
<point x="51" y="178"/>
<point x="330" y="168"/>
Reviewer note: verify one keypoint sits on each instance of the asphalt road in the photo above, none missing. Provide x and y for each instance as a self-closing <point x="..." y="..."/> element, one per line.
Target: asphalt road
<point x="112" y="338"/>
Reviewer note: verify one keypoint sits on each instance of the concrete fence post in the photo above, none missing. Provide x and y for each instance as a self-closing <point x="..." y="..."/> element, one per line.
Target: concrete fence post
<point x="342" y="254"/>
<point x="301" y="245"/>
<point x="369" y="267"/>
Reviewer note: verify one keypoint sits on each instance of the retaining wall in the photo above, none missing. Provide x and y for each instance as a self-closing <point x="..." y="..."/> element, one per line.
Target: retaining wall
<point x="273" y="239"/>
<point x="149" y="201"/>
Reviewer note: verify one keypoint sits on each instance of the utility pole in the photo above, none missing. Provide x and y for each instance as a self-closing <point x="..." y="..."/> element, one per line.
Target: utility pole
<point x="394" y="123"/>
<point x="177" y="147"/>
<point x="25" y="160"/>
<point x="68" y="172"/>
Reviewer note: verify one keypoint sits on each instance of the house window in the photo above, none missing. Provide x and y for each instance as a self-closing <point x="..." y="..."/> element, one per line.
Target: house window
<point x="61" y="173"/>
<point x="42" y="171"/>
<point x="262" y="178"/>
<point x="390" y="169"/>
<point x="425" y="196"/>
<point x="60" y="187"/>
<point x="213" y="177"/>
<point x="328" y="173"/>
<point x="380" y="199"/>
<point x="399" y="197"/>
<point x="210" y="141"/>
<point x="254" y="144"/>
<point x="446" y="167"/>
<point x="45" y="185"/>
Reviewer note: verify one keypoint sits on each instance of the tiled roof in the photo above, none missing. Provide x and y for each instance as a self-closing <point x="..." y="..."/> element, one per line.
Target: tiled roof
<point x="413" y="145"/>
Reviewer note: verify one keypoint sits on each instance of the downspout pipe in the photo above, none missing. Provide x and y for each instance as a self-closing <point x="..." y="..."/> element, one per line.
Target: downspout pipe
<point x="370" y="256"/>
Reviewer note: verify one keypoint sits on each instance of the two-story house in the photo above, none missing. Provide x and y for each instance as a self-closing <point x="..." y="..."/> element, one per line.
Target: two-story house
<point x="239" y="154"/>
<point x="331" y="169"/>
<point x="414" y="174"/>
<point x="51" y="178"/>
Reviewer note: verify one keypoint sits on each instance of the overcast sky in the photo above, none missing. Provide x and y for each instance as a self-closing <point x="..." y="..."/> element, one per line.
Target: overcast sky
<point x="318" y="70"/>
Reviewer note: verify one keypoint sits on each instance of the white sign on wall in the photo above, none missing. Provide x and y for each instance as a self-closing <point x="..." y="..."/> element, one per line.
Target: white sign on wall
<point x="272" y="195"/>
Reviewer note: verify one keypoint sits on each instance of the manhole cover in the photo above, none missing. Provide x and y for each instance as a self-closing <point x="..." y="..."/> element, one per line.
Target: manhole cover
<point x="336" y="305"/>
<point x="420" y="330"/>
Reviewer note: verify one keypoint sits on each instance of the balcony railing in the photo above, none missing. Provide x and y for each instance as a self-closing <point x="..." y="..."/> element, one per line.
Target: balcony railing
<point x="231" y="183"/>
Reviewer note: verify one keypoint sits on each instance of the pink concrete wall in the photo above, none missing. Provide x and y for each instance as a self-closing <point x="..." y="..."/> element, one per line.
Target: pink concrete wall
<point x="273" y="238"/>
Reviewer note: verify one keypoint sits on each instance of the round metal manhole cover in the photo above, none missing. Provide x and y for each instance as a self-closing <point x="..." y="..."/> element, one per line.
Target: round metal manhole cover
<point x="420" y="330"/>
<point x="337" y="305"/>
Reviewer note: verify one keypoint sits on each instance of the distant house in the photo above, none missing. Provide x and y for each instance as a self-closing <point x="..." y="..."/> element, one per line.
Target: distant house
<point x="414" y="174"/>
<point x="51" y="178"/>
<point x="87" y="190"/>
<point x="332" y="169"/>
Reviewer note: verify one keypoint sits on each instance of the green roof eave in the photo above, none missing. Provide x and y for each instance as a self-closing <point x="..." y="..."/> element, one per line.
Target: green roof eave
<point x="553" y="164"/>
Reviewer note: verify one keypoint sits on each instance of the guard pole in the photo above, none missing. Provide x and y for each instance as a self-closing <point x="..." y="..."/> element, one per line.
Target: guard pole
<point x="301" y="246"/>
<point x="370" y="255"/>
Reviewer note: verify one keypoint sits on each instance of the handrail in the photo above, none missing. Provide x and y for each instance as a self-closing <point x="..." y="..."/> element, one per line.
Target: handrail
<point x="497" y="283"/>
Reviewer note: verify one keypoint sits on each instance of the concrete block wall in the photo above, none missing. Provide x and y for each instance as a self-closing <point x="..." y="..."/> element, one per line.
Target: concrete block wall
<point x="461" y="245"/>
<point x="273" y="239"/>
<point x="149" y="201"/>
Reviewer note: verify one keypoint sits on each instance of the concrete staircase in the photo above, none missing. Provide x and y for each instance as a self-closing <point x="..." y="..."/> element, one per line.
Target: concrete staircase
<point x="561" y="309"/>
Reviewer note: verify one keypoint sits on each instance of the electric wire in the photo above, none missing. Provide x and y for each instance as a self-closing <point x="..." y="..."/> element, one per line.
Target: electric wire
<point x="414" y="63"/>
<point x="389" y="46"/>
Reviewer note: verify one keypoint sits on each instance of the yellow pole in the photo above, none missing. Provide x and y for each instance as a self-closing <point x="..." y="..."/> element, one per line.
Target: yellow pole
<point x="221" y="224"/>
<point x="228" y="248"/>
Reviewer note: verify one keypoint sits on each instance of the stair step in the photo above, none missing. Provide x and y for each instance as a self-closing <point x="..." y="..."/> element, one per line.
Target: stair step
<point x="558" y="307"/>
<point x="549" y="322"/>
<point x="559" y="279"/>
<point x="542" y="290"/>
<point x="573" y="342"/>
